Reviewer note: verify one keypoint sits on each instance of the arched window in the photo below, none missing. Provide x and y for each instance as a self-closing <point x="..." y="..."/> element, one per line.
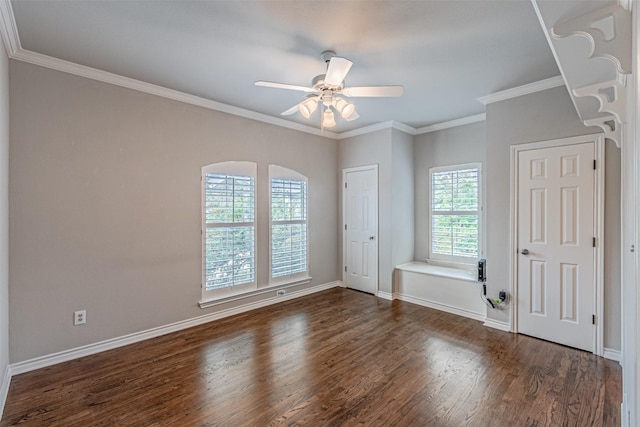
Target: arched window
<point x="289" y="229"/>
<point x="228" y="229"/>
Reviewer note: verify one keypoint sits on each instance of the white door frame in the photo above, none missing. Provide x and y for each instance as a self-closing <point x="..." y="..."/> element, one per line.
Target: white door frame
<point x="344" y="217"/>
<point x="598" y="260"/>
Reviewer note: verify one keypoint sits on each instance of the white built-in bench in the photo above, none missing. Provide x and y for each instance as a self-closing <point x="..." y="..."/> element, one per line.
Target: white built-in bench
<point x="444" y="288"/>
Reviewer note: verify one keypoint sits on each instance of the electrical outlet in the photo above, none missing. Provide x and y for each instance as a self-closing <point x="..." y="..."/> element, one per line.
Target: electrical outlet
<point x="79" y="317"/>
<point x="280" y="292"/>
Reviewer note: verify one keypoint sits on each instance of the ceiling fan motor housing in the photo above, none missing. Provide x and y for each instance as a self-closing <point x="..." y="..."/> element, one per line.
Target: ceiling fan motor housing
<point x="319" y="85"/>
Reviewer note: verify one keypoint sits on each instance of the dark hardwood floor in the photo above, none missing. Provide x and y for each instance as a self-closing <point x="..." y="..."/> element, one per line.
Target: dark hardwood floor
<point x="334" y="358"/>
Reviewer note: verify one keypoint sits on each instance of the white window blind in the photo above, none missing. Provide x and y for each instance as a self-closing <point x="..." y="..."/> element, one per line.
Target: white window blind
<point x="455" y="212"/>
<point x="229" y="234"/>
<point x="288" y="226"/>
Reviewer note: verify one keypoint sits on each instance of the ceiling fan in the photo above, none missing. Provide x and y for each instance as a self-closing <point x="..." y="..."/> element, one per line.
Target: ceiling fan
<point x="327" y="88"/>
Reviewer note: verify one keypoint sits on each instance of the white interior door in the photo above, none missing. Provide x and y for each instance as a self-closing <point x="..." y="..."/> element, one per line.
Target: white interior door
<point x="556" y="272"/>
<point x="361" y="228"/>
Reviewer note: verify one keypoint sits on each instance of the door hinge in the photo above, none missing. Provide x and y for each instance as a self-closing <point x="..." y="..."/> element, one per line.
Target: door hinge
<point x="345" y="185"/>
<point x="345" y="226"/>
<point x="594" y="242"/>
<point x="594" y="165"/>
<point x="593" y="319"/>
<point x="345" y="268"/>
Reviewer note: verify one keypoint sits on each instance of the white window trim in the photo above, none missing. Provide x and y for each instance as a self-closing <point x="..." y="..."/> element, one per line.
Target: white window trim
<point x="280" y="172"/>
<point x="231" y="168"/>
<point x="457" y="261"/>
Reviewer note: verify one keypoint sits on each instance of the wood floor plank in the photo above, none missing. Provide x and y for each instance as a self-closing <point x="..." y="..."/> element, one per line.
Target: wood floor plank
<point x="336" y="358"/>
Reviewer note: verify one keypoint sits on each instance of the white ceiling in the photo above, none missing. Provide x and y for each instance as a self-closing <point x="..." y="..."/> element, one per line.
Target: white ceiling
<point x="445" y="53"/>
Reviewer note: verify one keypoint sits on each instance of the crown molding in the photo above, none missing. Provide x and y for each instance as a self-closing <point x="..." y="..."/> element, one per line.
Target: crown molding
<point x="11" y="40"/>
<point x="452" y="123"/>
<point x="522" y="90"/>
<point x="403" y="127"/>
<point x="367" y="129"/>
<point x="8" y="28"/>
<point x="126" y="82"/>
<point x="391" y="124"/>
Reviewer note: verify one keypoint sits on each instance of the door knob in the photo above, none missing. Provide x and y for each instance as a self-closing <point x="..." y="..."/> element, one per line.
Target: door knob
<point x="525" y="252"/>
<point x="372" y="237"/>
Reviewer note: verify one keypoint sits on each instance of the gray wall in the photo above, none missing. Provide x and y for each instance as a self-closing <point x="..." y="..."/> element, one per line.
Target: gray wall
<point x="392" y="151"/>
<point x="105" y="206"/>
<point x="540" y="116"/>
<point x="612" y="255"/>
<point x="402" y="198"/>
<point x="370" y="149"/>
<point x="105" y="201"/>
<point x="4" y="215"/>
<point x="458" y="145"/>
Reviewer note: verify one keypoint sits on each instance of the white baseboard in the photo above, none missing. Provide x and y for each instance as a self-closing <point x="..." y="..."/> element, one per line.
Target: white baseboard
<point x="386" y="295"/>
<point x="442" y="307"/>
<point x="86" y="350"/>
<point x="612" y="354"/>
<point x="497" y="324"/>
<point x="4" y="389"/>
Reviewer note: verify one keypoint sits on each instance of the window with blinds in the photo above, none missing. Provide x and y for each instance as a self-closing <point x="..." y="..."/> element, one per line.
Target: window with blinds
<point x="455" y="212"/>
<point x="229" y="227"/>
<point x="289" y="241"/>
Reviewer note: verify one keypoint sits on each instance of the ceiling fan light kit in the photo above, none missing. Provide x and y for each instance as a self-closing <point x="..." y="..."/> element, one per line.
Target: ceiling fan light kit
<point x="308" y="107"/>
<point x="328" y="119"/>
<point x="326" y="86"/>
<point x="346" y="109"/>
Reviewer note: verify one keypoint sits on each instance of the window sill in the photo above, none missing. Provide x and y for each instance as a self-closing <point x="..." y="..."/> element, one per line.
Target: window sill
<point x="261" y="291"/>
<point x="464" y="272"/>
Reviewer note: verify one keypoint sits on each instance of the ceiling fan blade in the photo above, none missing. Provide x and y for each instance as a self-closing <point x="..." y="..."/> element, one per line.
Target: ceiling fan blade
<point x="337" y="71"/>
<point x="285" y="86"/>
<point x="290" y="111"/>
<point x="364" y="91"/>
